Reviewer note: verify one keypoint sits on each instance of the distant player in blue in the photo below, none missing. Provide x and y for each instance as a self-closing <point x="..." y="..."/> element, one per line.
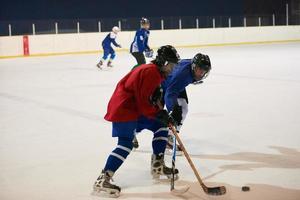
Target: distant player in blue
<point x="140" y="43"/>
<point x="107" y="48"/>
<point x="187" y="71"/>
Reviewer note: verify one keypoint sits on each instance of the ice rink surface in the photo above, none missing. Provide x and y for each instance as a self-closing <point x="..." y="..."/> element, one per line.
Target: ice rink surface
<point x="243" y="127"/>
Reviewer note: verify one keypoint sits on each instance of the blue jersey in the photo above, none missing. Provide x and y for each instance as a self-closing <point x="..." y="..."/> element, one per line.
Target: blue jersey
<point x="110" y="38"/>
<point x="176" y="82"/>
<point x="140" y="42"/>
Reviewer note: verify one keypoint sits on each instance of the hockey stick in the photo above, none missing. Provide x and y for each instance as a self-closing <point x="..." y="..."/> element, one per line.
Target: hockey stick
<point x="173" y="164"/>
<point x="173" y="190"/>
<point x="219" y="190"/>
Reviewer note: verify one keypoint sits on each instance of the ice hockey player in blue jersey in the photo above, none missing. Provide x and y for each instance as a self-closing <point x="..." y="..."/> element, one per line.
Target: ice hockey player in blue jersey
<point x="107" y="48"/>
<point x="140" y="43"/>
<point x="187" y="71"/>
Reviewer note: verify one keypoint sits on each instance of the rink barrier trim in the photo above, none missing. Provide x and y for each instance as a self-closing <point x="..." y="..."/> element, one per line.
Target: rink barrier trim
<point x="123" y="50"/>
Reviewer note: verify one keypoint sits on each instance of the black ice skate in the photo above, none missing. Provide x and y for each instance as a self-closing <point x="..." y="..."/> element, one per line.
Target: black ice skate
<point x="103" y="184"/>
<point x="109" y="64"/>
<point x="100" y="64"/>
<point x="158" y="167"/>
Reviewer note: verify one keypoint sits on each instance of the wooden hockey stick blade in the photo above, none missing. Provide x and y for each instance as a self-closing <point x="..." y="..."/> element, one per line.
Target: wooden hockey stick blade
<point x="220" y="190"/>
<point x="180" y="191"/>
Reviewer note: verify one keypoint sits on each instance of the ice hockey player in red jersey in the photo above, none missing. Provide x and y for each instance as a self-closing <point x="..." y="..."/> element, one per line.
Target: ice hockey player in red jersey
<point x="137" y="98"/>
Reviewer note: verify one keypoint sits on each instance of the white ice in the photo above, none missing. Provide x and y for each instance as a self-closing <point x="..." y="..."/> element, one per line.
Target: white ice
<point x="54" y="140"/>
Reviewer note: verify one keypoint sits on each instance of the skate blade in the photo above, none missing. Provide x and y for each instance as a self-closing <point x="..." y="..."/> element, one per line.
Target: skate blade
<point x="99" y="67"/>
<point x="169" y="152"/>
<point x="104" y="192"/>
<point x="164" y="178"/>
<point x="180" y="191"/>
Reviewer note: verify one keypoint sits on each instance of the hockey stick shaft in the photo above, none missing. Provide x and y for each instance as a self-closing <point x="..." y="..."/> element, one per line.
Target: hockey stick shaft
<point x="174" y="131"/>
<point x="173" y="164"/>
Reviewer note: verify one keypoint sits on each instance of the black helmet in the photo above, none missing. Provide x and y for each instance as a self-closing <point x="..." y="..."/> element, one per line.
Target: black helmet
<point x="166" y="54"/>
<point x="144" y="21"/>
<point x="202" y="61"/>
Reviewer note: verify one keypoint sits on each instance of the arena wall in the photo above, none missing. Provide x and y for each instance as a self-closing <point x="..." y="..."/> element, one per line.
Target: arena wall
<point x="60" y="44"/>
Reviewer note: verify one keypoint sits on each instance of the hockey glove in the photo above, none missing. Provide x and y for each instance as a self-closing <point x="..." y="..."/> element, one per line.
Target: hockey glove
<point x="176" y="114"/>
<point x="163" y="117"/>
<point x="149" y="53"/>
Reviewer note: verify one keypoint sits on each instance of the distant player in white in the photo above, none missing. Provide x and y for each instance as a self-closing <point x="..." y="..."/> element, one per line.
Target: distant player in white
<point x="107" y="48"/>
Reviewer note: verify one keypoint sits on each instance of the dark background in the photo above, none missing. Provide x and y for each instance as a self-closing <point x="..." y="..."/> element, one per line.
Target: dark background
<point x="87" y="9"/>
<point x="20" y="15"/>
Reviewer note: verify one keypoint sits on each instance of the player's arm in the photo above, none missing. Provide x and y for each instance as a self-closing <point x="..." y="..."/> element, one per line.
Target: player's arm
<point x="115" y="43"/>
<point x="140" y="41"/>
<point x="171" y="96"/>
<point x="146" y="43"/>
<point x="113" y="40"/>
<point x="173" y="89"/>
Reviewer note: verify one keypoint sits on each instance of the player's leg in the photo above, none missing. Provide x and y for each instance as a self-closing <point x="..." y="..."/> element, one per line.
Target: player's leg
<point x="159" y="142"/>
<point x="112" y="57"/>
<point x="140" y="58"/>
<point x="104" y="57"/>
<point x="124" y="131"/>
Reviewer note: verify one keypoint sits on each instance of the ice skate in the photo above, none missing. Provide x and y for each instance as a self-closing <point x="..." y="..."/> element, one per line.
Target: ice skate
<point x="158" y="167"/>
<point x="169" y="147"/>
<point x="135" y="143"/>
<point x="109" y="64"/>
<point x="100" y="64"/>
<point x="103" y="184"/>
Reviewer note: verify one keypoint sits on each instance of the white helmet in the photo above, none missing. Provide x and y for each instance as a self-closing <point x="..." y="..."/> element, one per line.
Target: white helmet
<point x="115" y="29"/>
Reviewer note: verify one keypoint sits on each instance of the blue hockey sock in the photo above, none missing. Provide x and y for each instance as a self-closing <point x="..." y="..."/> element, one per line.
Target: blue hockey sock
<point x="159" y="141"/>
<point x="119" y="154"/>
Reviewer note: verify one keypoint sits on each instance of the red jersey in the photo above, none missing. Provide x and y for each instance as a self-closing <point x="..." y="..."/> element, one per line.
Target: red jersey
<point x="131" y="98"/>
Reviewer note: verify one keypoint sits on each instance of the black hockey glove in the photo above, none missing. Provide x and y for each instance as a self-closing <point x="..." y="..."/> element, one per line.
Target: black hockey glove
<point x="175" y="117"/>
<point x="176" y="114"/>
<point x="164" y="117"/>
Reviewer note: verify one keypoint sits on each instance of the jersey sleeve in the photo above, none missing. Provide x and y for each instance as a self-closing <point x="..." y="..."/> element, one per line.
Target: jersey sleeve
<point x="171" y="95"/>
<point x="146" y="41"/>
<point x="140" y="41"/>
<point x="175" y="86"/>
<point x="113" y="39"/>
<point x="115" y="43"/>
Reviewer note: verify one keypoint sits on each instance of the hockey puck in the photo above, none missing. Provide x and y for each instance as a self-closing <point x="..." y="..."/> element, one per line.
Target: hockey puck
<point x="245" y="188"/>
